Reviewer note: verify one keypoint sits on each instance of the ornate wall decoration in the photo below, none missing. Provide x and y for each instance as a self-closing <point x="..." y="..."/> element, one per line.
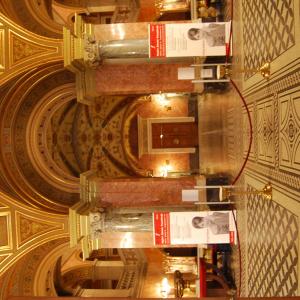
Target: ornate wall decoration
<point x="6" y="242"/>
<point x="2" y="205"/>
<point x="35" y="16"/>
<point x="19" y="172"/>
<point x="3" y="258"/>
<point x="57" y="166"/>
<point x="2" y="41"/>
<point x="29" y="228"/>
<point x="25" y="229"/>
<point x="77" y="275"/>
<point x="97" y="136"/>
<point x="72" y="3"/>
<point x="20" y="278"/>
<point x="22" y="50"/>
<point x="60" y="138"/>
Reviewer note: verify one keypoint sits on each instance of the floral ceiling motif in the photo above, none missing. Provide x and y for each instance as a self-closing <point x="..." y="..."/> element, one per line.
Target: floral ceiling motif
<point x="91" y="137"/>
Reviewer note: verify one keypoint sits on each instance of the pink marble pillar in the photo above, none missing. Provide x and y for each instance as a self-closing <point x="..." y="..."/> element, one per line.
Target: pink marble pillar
<point x="136" y="78"/>
<point x="142" y="192"/>
<point x="146" y="78"/>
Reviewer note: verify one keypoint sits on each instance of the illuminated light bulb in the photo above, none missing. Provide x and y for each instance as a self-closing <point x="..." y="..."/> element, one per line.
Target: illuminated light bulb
<point x="165" y="288"/>
<point x="165" y="169"/>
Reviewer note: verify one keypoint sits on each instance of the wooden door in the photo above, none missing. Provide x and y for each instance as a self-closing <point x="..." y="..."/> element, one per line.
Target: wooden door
<point x="174" y="135"/>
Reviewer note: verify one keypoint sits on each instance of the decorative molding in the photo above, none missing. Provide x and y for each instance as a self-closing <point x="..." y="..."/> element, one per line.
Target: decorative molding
<point x="3" y="257"/>
<point x="37" y="138"/>
<point x="81" y="57"/>
<point x="16" y="108"/>
<point x="6" y="241"/>
<point x="21" y="277"/>
<point x="35" y="16"/>
<point x="2" y="205"/>
<point x="22" y="50"/>
<point x="145" y="135"/>
<point x="2" y="47"/>
<point x="29" y="228"/>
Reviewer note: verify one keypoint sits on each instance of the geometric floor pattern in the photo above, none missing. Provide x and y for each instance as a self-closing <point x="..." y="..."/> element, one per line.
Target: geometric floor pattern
<point x="272" y="248"/>
<point x="268" y="31"/>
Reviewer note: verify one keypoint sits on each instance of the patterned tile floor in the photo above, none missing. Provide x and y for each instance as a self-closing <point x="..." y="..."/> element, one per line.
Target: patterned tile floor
<point x="269" y="229"/>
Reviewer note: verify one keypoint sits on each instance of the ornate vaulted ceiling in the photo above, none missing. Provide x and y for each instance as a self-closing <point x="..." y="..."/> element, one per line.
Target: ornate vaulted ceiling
<point x="81" y="137"/>
<point x="23" y="169"/>
<point x="34" y="15"/>
<point x="48" y="138"/>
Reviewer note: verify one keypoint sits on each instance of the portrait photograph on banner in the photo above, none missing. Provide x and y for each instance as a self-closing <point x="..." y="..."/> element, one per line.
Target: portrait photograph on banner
<point x="202" y="227"/>
<point x="189" y="39"/>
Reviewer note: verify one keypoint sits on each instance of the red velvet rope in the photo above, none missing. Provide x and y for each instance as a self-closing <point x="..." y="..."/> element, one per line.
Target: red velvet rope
<point x="248" y="151"/>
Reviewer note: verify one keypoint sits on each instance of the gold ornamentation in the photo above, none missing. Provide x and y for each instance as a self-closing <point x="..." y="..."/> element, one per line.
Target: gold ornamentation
<point x="2" y="49"/>
<point x="4" y="257"/>
<point x="3" y="205"/>
<point x="266" y="192"/>
<point x="265" y="70"/>
<point x="23" y="49"/>
<point x="5" y="231"/>
<point x="91" y="52"/>
<point x="29" y="228"/>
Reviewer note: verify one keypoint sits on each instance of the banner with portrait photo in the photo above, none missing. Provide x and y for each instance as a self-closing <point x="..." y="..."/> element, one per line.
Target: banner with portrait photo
<point x="197" y="227"/>
<point x="189" y="39"/>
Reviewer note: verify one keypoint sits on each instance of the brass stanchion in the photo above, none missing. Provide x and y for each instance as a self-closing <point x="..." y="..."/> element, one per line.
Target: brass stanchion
<point x="266" y="192"/>
<point x="264" y="70"/>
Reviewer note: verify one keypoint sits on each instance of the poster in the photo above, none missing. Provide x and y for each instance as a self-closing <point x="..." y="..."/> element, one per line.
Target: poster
<point x="157" y="40"/>
<point x="188" y="39"/>
<point x="197" y="227"/>
<point x="161" y="224"/>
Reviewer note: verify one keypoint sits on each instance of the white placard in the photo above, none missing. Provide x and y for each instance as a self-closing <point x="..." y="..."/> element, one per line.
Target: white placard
<point x="197" y="39"/>
<point x="190" y="195"/>
<point x="203" y="227"/>
<point x="186" y="73"/>
<point x="207" y="73"/>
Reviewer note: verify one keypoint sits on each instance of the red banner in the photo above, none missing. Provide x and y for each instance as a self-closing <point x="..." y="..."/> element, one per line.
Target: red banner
<point x="231" y="237"/>
<point x="161" y="228"/>
<point x="157" y="35"/>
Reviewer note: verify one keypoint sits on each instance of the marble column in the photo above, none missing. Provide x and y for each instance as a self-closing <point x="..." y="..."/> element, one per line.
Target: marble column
<point x="140" y="78"/>
<point x="112" y="59"/>
<point x="132" y="222"/>
<point x="135" y="48"/>
<point x="139" y="192"/>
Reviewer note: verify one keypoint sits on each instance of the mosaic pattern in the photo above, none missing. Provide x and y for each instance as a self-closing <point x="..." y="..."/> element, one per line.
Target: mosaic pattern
<point x="262" y="40"/>
<point x="289" y="131"/>
<point x="276" y="130"/>
<point x="272" y="249"/>
<point x="265" y="131"/>
<point x="269" y="232"/>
